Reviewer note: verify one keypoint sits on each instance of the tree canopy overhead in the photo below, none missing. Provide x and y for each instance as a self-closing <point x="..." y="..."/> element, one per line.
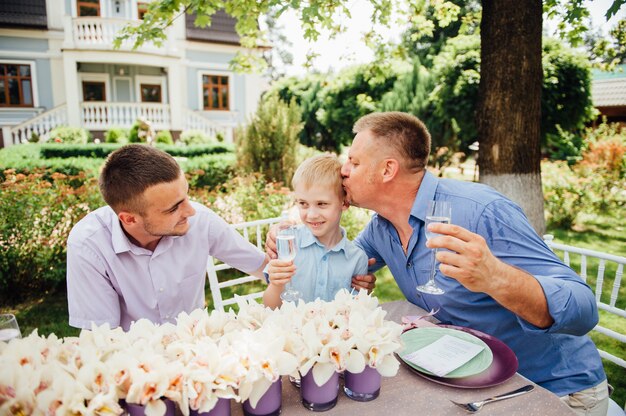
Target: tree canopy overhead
<point x="508" y="113"/>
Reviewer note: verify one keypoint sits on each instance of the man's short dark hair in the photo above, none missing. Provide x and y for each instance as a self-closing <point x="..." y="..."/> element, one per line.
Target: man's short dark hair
<point x="404" y="132"/>
<point x="132" y="169"/>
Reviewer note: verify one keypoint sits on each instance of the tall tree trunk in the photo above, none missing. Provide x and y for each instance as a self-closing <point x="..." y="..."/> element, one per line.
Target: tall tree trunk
<point x="509" y="103"/>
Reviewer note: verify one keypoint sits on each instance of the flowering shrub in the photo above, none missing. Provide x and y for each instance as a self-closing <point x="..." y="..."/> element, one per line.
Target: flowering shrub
<point x="38" y="210"/>
<point x="597" y="184"/>
<point x="200" y="359"/>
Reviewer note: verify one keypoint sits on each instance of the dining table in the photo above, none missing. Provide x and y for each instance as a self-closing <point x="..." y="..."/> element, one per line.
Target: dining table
<point x="406" y="393"/>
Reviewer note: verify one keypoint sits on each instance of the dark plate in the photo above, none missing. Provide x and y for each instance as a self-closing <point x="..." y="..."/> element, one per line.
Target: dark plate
<point x="502" y="368"/>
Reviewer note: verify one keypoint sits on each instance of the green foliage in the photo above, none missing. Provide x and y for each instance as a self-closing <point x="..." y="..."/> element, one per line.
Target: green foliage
<point x="565" y="100"/>
<point x="246" y="198"/>
<point x="457" y="71"/>
<point x="268" y="144"/>
<point x="194" y="137"/>
<point x="597" y="184"/>
<point x="38" y="211"/>
<point x="354" y="220"/>
<point x="69" y="135"/>
<point x="331" y="105"/>
<point x="165" y="137"/>
<point x="209" y="170"/>
<point x="564" y="195"/>
<point x="116" y="135"/>
<point x="103" y="150"/>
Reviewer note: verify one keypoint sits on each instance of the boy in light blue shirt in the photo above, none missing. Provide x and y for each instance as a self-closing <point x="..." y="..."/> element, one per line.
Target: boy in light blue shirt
<point x="325" y="259"/>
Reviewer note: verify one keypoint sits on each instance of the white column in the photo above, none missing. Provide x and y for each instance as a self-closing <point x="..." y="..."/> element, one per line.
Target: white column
<point x="72" y="92"/>
<point x="176" y="85"/>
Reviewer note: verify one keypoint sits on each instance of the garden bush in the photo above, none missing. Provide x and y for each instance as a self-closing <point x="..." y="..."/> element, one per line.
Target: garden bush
<point x="597" y="184"/>
<point x="116" y="135"/>
<point x="269" y="143"/>
<point x="194" y="137"/>
<point x="209" y="171"/>
<point x="164" y="136"/>
<point x="102" y="150"/>
<point x="38" y="212"/>
<point x="70" y="135"/>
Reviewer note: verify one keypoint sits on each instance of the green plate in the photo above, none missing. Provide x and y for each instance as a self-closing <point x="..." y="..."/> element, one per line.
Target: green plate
<point x="418" y="338"/>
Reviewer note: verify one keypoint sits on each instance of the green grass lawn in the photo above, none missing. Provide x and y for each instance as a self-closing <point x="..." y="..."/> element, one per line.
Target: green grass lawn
<point x="48" y="314"/>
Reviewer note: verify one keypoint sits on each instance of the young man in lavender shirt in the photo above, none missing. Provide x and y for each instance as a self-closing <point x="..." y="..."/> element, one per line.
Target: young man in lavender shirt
<point x="144" y="254"/>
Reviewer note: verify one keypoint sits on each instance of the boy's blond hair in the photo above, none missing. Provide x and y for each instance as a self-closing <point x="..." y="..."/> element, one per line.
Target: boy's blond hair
<point x="324" y="170"/>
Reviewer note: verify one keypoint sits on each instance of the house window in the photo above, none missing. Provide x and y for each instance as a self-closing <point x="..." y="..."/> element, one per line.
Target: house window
<point x="151" y="93"/>
<point x="16" y="86"/>
<point x="88" y="7"/>
<point x="94" y="91"/>
<point x="142" y="8"/>
<point x="215" y="92"/>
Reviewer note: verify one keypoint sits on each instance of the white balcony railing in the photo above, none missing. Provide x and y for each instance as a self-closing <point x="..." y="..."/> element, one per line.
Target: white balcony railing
<point x="99" y="33"/>
<point x="103" y="115"/>
<point x="40" y="125"/>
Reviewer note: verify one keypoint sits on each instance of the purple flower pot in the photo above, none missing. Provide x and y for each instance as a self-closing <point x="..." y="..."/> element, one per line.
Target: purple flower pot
<point x="269" y="404"/>
<point x="319" y="398"/>
<point x="139" y="409"/>
<point x="222" y="408"/>
<point x="363" y="386"/>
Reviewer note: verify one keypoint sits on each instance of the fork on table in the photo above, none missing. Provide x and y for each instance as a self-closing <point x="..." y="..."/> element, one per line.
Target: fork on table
<point x="474" y="407"/>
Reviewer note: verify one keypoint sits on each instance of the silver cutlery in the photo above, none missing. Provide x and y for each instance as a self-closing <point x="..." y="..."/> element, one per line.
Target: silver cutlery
<point x="474" y="407"/>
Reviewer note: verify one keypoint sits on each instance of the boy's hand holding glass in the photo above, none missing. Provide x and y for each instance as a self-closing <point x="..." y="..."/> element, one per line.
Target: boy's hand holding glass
<point x="280" y="271"/>
<point x="286" y="247"/>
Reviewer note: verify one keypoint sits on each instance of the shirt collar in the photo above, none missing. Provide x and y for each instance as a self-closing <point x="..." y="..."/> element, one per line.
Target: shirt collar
<point x="307" y="239"/>
<point x="425" y="194"/>
<point x="122" y="244"/>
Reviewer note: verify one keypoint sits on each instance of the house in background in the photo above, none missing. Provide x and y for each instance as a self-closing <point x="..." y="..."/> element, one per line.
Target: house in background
<point x="58" y="67"/>
<point x="608" y="92"/>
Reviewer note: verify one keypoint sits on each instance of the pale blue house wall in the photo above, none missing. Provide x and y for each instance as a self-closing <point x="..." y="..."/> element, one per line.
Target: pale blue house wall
<point x="43" y="76"/>
<point x="215" y="62"/>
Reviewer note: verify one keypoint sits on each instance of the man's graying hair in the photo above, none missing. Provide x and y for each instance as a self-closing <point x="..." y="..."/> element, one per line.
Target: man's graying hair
<point x="403" y="132"/>
<point x="132" y="169"/>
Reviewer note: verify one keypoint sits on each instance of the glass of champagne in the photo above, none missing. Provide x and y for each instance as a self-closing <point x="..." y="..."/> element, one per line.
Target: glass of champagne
<point x="438" y="212"/>
<point x="286" y="248"/>
<point x="8" y="327"/>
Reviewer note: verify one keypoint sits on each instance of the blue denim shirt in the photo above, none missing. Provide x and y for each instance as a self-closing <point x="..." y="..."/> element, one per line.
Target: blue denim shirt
<point x="321" y="273"/>
<point x="560" y="358"/>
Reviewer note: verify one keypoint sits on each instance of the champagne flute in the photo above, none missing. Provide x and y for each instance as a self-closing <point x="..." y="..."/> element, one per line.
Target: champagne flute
<point x="438" y="212"/>
<point x="286" y="248"/>
<point x="8" y="327"/>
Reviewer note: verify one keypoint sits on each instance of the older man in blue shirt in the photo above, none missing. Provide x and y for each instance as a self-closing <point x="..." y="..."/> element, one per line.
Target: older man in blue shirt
<point x="498" y="275"/>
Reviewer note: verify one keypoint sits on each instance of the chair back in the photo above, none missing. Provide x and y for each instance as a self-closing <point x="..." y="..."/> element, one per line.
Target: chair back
<point x="225" y="281"/>
<point x="606" y="284"/>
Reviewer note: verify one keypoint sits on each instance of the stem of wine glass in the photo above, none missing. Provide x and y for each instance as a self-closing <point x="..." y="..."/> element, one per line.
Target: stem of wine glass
<point x="431" y="280"/>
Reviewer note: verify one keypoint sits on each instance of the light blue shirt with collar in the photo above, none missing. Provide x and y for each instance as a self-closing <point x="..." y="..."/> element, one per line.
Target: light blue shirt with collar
<point x="320" y="272"/>
<point x="560" y="358"/>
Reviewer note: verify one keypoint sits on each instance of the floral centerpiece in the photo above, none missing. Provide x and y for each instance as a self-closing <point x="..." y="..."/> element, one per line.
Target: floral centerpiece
<point x="205" y="357"/>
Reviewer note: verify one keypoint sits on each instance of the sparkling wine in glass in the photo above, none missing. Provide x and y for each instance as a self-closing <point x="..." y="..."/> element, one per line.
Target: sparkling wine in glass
<point x="438" y="212"/>
<point x="8" y="327"/>
<point x="286" y="248"/>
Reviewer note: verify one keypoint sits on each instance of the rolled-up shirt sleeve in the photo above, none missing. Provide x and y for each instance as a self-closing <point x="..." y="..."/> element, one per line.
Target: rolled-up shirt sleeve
<point x="571" y="302"/>
<point x="91" y="297"/>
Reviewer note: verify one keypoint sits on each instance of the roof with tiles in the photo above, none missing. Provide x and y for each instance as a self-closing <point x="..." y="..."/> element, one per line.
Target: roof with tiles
<point x="608" y="89"/>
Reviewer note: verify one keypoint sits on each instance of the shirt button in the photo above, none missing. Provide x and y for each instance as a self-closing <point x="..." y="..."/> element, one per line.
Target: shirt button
<point x="160" y="289"/>
<point x="409" y="264"/>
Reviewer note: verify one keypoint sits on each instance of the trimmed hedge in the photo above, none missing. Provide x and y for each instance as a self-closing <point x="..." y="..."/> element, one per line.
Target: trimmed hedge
<point x="102" y="150"/>
<point x="210" y="170"/>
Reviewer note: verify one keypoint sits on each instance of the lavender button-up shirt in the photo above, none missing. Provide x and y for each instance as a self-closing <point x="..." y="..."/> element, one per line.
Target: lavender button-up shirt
<point x="110" y="280"/>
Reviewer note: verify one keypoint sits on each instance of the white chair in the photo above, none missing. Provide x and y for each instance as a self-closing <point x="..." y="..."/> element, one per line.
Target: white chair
<point x="257" y="230"/>
<point x="602" y="260"/>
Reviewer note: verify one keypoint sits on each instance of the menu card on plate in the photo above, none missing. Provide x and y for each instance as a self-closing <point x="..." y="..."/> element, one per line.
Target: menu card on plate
<point x="444" y="355"/>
